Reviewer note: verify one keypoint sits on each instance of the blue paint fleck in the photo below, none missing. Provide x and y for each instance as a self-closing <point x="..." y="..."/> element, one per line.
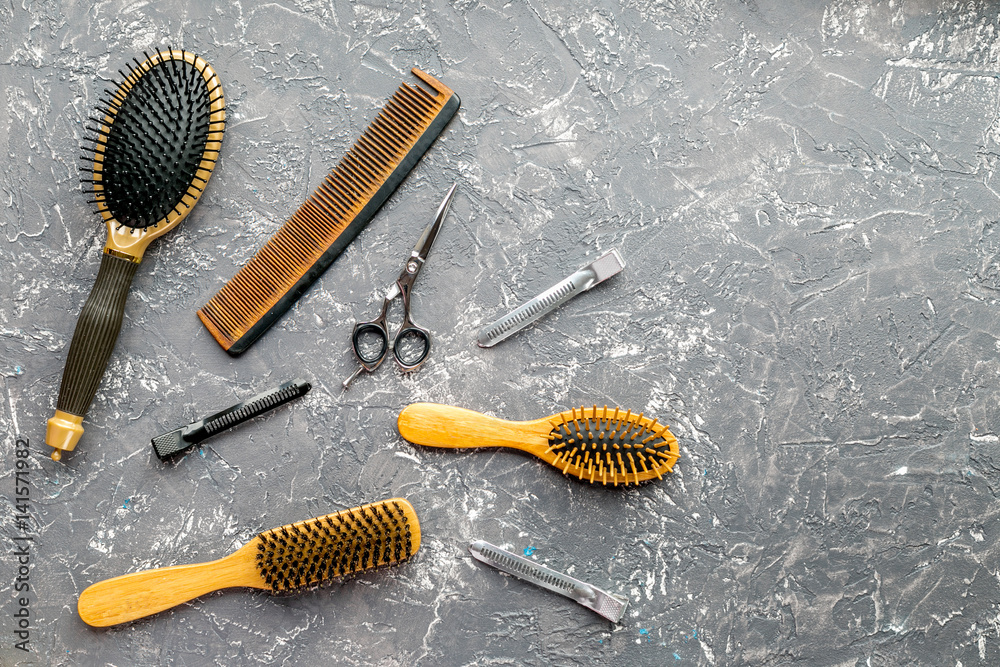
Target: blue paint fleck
<point x="676" y="657"/>
<point x="202" y="452"/>
<point x="125" y="506"/>
<point x="528" y="551"/>
<point x="18" y="370"/>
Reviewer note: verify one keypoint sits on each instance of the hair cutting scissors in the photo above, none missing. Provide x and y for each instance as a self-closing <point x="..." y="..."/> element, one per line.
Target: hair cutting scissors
<point x="411" y="343"/>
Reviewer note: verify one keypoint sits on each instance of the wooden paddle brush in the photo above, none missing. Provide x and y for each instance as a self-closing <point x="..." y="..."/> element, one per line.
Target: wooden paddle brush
<point x="152" y="148"/>
<point x="282" y="560"/>
<point x="595" y="444"/>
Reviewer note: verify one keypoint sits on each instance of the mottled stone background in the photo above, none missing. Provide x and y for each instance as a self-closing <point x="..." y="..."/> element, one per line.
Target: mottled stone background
<point x="805" y="196"/>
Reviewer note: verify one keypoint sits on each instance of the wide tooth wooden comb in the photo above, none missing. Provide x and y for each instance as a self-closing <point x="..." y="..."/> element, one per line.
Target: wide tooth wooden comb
<point x="292" y="260"/>
<point x="606" y="445"/>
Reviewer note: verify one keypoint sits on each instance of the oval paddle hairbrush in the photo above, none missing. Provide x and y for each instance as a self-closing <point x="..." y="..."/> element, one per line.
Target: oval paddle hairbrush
<point x="595" y="444"/>
<point x="152" y="149"/>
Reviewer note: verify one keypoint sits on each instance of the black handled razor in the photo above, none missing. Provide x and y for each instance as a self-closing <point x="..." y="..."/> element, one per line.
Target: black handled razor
<point x="184" y="438"/>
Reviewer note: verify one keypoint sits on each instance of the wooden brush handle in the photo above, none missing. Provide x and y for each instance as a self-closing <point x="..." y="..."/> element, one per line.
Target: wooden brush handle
<point x="140" y="594"/>
<point x="436" y="425"/>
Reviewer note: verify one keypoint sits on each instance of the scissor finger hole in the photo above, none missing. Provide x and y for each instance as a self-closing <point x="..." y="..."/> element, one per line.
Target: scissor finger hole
<point x="369" y="343"/>
<point x="411" y="347"/>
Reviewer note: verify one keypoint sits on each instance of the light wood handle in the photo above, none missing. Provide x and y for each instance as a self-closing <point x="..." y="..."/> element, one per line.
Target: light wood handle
<point x="140" y="594"/>
<point x="436" y="425"/>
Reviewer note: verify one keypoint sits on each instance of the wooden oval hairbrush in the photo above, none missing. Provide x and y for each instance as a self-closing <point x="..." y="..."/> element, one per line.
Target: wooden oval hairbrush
<point x="153" y="146"/>
<point x="288" y="559"/>
<point x="606" y="445"/>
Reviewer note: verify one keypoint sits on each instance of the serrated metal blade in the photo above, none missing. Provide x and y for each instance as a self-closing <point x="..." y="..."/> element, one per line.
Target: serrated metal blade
<point x="608" y="605"/>
<point x="580" y="281"/>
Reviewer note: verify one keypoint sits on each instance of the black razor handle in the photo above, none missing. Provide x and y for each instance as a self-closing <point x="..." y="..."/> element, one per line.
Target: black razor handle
<point x="95" y="334"/>
<point x="184" y="438"/>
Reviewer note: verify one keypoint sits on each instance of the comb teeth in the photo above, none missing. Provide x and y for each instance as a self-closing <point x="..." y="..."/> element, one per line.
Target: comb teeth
<point x="257" y="407"/>
<point x="310" y="553"/>
<point x="524" y="568"/>
<point x="331" y="217"/>
<point x="609" y="446"/>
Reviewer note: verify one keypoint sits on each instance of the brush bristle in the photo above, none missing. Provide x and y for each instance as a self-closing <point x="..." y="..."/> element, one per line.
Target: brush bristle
<point x="310" y="553"/>
<point x="611" y="446"/>
<point x="150" y="138"/>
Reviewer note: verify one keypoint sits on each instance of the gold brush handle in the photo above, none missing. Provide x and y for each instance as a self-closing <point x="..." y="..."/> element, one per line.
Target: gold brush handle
<point x="437" y="425"/>
<point x="140" y="594"/>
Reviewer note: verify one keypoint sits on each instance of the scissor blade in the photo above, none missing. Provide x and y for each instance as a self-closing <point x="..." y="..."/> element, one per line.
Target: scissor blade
<point x="427" y="239"/>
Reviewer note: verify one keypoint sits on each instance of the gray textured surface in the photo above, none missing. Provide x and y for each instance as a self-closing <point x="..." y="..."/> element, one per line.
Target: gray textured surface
<point x="805" y="196"/>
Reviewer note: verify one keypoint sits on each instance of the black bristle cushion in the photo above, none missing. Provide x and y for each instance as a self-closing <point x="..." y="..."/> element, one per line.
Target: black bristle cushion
<point x="155" y="143"/>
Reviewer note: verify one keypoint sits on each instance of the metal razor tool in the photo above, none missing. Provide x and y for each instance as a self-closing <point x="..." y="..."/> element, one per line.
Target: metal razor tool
<point x="607" y="265"/>
<point x="608" y="605"/>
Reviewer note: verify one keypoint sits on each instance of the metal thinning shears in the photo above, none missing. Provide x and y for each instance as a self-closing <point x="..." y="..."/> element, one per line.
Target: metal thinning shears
<point x="411" y="343"/>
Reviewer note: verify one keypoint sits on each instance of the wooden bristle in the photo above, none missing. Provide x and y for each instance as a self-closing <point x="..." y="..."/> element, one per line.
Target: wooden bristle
<point x="330" y="218"/>
<point x="610" y="446"/>
<point x="310" y="553"/>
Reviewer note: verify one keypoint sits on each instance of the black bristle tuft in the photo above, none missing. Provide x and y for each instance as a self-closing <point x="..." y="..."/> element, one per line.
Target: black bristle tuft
<point x="153" y="132"/>
<point x="310" y="553"/>
<point x="611" y="446"/>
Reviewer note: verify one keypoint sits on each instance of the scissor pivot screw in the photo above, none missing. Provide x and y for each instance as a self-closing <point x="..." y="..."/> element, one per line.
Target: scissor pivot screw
<point x="411" y="267"/>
